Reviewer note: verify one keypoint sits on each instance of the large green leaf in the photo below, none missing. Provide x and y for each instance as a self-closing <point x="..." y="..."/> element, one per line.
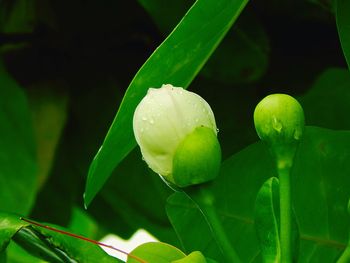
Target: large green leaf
<point x="320" y="191"/>
<point x="48" y="244"/>
<point x="343" y="24"/>
<point x="241" y="57"/>
<point x="18" y="167"/>
<point x="326" y="104"/>
<point x="176" y="61"/>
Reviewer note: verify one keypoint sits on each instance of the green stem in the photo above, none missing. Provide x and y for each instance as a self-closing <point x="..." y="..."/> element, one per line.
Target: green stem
<point x="205" y="201"/>
<point x="345" y="257"/>
<point x="285" y="215"/>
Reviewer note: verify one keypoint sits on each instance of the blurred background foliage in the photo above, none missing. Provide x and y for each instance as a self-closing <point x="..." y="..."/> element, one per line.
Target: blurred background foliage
<point x="65" y="66"/>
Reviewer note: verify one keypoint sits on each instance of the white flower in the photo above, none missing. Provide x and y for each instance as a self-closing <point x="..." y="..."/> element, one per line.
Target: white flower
<point x="163" y="119"/>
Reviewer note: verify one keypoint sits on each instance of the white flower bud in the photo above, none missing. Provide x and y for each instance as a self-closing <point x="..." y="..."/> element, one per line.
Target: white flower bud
<point x="163" y="119"/>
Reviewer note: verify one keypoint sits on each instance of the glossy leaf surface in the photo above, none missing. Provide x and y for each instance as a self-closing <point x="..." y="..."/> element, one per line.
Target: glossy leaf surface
<point x="266" y="219"/>
<point x="156" y="252"/>
<point x="326" y="103"/>
<point x="320" y="191"/>
<point x="177" y="61"/>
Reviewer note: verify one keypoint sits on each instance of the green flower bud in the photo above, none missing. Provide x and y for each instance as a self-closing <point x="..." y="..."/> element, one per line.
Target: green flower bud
<point x="279" y="121"/>
<point x="176" y="132"/>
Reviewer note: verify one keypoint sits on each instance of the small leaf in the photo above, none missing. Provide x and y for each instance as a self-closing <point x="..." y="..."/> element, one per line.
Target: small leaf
<point x="177" y="61"/>
<point x="267" y="220"/>
<point x="155" y="252"/>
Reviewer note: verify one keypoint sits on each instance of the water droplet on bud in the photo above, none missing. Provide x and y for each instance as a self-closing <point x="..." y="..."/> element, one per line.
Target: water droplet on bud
<point x="277" y="125"/>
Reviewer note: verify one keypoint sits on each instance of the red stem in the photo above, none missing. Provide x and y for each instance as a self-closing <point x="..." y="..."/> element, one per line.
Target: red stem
<point x="82" y="238"/>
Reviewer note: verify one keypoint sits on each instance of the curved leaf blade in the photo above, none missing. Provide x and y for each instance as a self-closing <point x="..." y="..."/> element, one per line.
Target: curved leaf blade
<point x="266" y="215"/>
<point x="177" y="61"/>
<point x="343" y="24"/>
<point x="155" y="252"/>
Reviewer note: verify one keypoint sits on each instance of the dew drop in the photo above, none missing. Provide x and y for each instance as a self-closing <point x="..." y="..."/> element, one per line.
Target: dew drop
<point x="217" y="130"/>
<point x="144" y="118"/>
<point x="277" y="125"/>
<point x="143" y="158"/>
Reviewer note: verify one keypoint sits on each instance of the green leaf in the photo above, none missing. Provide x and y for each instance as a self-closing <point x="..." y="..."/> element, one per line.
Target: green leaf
<point x="48" y="244"/>
<point x="267" y="220"/>
<point x="16" y="254"/>
<point x="326" y="104"/>
<point x="155" y="252"/>
<point x="177" y="61"/>
<point x="241" y="57"/>
<point x="343" y="24"/>
<point x="18" y="167"/>
<point x="320" y="192"/>
<point x="9" y="225"/>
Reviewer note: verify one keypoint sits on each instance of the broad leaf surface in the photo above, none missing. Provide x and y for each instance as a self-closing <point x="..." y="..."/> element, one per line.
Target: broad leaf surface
<point x="320" y="189"/>
<point x="326" y="104"/>
<point x="343" y="24"/>
<point x="177" y="61"/>
<point x="18" y="167"/>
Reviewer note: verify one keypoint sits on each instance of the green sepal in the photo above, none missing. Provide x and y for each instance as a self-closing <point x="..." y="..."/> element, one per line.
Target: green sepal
<point x="197" y="158"/>
<point x="267" y="222"/>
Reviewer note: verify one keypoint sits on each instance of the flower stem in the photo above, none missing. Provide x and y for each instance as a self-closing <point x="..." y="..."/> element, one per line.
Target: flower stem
<point x="285" y="215"/>
<point x="205" y="200"/>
